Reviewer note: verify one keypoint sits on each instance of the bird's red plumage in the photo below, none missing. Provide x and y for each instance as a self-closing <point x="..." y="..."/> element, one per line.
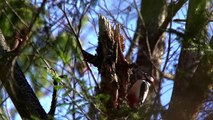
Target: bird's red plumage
<point x="132" y="100"/>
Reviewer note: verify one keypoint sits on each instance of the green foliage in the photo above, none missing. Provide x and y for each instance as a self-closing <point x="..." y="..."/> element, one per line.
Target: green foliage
<point x="195" y="37"/>
<point x="15" y="15"/>
<point x="101" y="101"/>
<point x="52" y="49"/>
<point x="48" y="54"/>
<point x="65" y="45"/>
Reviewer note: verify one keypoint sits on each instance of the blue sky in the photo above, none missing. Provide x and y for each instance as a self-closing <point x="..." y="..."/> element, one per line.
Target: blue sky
<point x="90" y="40"/>
<point x="89" y="37"/>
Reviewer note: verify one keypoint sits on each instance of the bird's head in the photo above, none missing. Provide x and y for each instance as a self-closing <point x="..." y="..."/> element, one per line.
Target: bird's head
<point x="149" y="79"/>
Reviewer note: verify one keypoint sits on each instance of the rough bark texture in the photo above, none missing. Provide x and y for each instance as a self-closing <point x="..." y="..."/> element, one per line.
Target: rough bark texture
<point x="194" y="72"/>
<point x="17" y="86"/>
<point x="150" y="47"/>
<point x="150" y="31"/>
<point x="150" y="28"/>
<point x="114" y="69"/>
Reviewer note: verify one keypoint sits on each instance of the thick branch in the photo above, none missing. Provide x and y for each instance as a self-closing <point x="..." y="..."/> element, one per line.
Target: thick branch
<point x="152" y="41"/>
<point x="16" y="85"/>
<point x="112" y="65"/>
<point x="173" y="8"/>
<point x="194" y="71"/>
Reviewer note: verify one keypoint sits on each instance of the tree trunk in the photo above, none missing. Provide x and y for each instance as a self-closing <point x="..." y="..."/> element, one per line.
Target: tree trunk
<point x="114" y="70"/>
<point x="150" y="30"/>
<point x="193" y="73"/>
<point x="16" y="85"/>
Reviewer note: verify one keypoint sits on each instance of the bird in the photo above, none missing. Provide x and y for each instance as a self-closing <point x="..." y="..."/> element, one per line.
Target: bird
<point x="138" y="92"/>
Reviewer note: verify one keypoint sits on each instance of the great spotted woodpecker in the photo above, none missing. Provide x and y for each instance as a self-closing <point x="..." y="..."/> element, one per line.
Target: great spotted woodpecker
<point x="138" y="92"/>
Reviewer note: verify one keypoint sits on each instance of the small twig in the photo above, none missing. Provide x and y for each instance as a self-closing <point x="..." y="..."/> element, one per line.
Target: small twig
<point x="14" y="27"/>
<point x="23" y="22"/>
<point x="43" y="59"/>
<point x="79" y="44"/>
<point x="179" y="20"/>
<point x="179" y="34"/>
<point x="169" y="48"/>
<point x="51" y="113"/>
<point x="165" y="75"/>
<point x="2" y="102"/>
<point x="140" y="15"/>
<point x="22" y="36"/>
<point x="82" y="110"/>
<point x="36" y="15"/>
<point x="131" y="48"/>
<point x="73" y="98"/>
<point x="172" y="10"/>
<point x="145" y="30"/>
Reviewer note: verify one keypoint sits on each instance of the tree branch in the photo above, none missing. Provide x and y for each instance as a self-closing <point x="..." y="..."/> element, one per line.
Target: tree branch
<point x="51" y="113"/>
<point x="194" y="71"/>
<point x="79" y="45"/>
<point x="171" y="12"/>
<point x="16" y="85"/>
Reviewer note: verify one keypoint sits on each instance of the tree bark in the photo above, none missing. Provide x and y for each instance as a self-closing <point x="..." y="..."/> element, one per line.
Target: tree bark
<point x="194" y="71"/>
<point x="151" y="27"/>
<point x="16" y="85"/>
<point x="114" y="70"/>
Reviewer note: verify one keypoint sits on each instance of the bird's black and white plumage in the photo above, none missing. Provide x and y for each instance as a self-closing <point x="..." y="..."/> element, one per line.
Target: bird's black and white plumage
<point x="138" y="92"/>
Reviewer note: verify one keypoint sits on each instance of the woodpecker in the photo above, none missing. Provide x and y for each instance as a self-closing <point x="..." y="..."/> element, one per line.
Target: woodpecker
<point x="138" y="92"/>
